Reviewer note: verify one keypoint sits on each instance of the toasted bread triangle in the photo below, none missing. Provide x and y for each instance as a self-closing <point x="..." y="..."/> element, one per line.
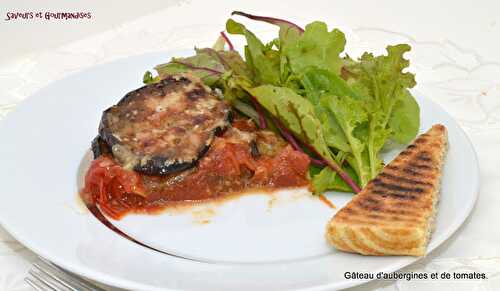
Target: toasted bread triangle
<point x="394" y="213"/>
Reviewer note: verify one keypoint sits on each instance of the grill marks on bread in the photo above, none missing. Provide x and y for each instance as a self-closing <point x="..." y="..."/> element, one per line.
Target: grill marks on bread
<point x="394" y="213"/>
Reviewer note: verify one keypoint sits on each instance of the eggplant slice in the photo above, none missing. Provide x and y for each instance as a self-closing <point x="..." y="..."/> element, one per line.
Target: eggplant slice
<point x="164" y="127"/>
<point x="99" y="147"/>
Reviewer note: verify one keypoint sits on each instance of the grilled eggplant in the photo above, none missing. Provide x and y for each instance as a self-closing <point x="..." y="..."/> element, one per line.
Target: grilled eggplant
<point x="99" y="147"/>
<point x="164" y="127"/>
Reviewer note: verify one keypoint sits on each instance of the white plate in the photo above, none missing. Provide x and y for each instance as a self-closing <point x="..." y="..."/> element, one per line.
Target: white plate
<point x="257" y="242"/>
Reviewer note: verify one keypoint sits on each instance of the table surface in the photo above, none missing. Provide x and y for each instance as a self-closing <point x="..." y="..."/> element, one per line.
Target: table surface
<point x="455" y="55"/>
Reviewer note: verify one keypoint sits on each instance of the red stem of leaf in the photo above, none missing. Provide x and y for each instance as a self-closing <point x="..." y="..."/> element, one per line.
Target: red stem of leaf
<point x="260" y="111"/>
<point x="337" y="169"/>
<point x="224" y="36"/>
<point x="284" y="131"/>
<point x="197" y="68"/>
<point x="272" y="20"/>
<point x="293" y="142"/>
<point x="218" y="55"/>
<point x="291" y="139"/>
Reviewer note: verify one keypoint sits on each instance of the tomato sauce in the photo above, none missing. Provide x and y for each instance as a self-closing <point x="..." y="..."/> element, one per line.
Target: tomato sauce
<point x="232" y="165"/>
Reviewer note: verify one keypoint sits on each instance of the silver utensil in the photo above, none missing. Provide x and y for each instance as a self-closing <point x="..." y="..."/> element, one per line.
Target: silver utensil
<point x="46" y="276"/>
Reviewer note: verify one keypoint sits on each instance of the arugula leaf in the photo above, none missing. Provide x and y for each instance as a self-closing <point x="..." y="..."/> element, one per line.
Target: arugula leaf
<point x="264" y="61"/>
<point x="348" y="103"/>
<point x="203" y="65"/>
<point x="230" y="61"/>
<point x="352" y="118"/>
<point x="317" y="82"/>
<point x="334" y="135"/>
<point x="316" y="47"/>
<point x="327" y="179"/>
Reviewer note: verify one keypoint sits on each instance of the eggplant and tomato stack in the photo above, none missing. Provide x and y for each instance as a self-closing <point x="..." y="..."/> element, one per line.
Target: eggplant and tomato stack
<point x="177" y="141"/>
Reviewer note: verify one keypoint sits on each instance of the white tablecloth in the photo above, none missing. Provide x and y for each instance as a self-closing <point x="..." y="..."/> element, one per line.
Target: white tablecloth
<point x="456" y="56"/>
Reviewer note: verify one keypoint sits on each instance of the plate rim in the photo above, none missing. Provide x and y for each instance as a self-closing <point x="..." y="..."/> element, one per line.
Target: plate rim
<point x="104" y="278"/>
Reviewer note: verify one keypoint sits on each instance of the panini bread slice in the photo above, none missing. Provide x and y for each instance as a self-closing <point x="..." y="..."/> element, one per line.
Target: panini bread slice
<point x="394" y="214"/>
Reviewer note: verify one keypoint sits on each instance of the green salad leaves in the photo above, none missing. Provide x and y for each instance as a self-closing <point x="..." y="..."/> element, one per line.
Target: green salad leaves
<point x="341" y="111"/>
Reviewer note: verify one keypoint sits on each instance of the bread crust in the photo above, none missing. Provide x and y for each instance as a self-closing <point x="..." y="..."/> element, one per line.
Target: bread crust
<point x="394" y="214"/>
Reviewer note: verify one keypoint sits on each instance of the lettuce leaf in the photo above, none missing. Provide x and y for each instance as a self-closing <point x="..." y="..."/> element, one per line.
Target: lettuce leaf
<point x="319" y="81"/>
<point x="368" y="108"/>
<point x="384" y="80"/>
<point x="405" y="118"/>
<point x="316" y="47"/>
<point x="297" y="114"/>
<point x="393" y="111"/>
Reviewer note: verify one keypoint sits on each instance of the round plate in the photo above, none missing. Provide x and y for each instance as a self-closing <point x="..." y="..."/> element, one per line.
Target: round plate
<point x="254" y="242"/>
